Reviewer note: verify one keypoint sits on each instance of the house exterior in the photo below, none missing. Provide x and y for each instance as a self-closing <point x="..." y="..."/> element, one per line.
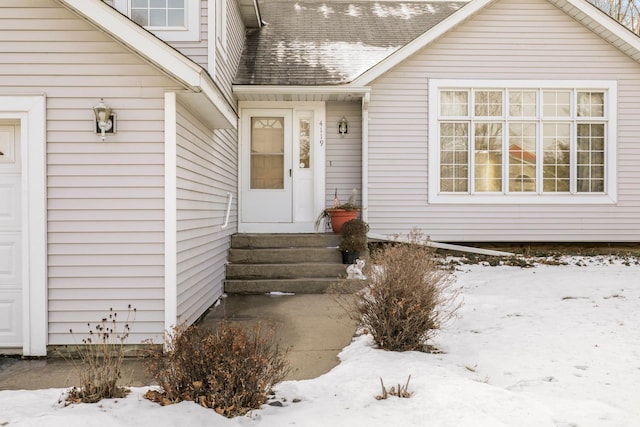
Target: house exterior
<point x="87" y="225"/>
<point x="482" y="120"/>
<point x="505" y="120"/>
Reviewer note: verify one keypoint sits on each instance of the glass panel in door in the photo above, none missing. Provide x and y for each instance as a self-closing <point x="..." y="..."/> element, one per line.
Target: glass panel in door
<point x="267" y="153"/>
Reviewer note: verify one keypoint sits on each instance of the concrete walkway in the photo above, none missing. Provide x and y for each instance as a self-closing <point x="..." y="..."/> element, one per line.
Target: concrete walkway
<point x="314" y="328"/>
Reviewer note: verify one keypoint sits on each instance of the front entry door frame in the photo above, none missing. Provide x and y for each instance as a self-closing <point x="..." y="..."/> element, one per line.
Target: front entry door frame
<point x="306" y="183"/>
<point x="29" y="111"/>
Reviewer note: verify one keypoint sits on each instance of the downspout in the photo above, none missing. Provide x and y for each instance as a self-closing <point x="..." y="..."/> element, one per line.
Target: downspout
<point x="365" y="156"/>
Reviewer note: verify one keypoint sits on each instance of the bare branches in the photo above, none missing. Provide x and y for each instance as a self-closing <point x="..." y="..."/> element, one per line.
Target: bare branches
<point x="627" y="12"/>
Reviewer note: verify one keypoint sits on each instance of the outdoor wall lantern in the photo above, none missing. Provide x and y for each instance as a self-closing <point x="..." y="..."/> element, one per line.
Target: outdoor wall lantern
<point x="105" y="120"/>
<point x="342" y="126"/>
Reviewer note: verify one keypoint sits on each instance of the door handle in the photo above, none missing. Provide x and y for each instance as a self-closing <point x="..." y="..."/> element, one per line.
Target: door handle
<point x="290" y="173"/>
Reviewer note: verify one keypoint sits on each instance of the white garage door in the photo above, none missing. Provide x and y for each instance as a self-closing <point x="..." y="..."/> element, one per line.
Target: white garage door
<point x="10" y="238"/>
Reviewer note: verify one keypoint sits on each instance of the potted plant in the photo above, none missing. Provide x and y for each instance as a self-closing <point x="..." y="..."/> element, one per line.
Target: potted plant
<point x="340" y="212"/>
<point x="354" y="240"/>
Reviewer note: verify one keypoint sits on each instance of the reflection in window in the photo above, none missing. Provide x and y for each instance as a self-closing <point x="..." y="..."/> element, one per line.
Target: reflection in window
<point x="305" y="143"/>
<point x="527" y="141"/>
<point x="454" y="152"/>
<point x="488" y="103"/>
<point x="556" y="157"/>
<point x="590" y="155"/>
<point x="522" y="157"/>
<point x="488" y="157"/>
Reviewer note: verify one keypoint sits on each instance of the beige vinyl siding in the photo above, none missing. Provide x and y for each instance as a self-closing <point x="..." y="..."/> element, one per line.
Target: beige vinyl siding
<point x="344" y="152"/>
<point x="206" y="171"/>
<point x="197" y="51"/>
<point x="227" y="60"/>
<point x="511" y="39"/>
<point x="105" y="199"/>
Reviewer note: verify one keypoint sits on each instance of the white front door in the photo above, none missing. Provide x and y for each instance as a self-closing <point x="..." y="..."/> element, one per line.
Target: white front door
<point x="282" y="168"/>
<point x="10" y="237"/>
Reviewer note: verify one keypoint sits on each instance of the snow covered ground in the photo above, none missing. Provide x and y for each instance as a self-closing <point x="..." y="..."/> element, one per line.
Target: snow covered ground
<point x="542" y="346"/>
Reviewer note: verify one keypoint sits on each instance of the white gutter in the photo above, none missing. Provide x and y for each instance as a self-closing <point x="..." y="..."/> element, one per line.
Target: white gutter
<point x="438" y="245"/>
<point x="298" y="90"/>
<point x="177" y="66"/>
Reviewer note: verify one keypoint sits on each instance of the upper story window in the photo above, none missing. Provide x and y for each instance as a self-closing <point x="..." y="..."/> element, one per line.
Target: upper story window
<point x="159" y="13"/>
<point x="522" y="142"/>
<point x="171" y="20"/>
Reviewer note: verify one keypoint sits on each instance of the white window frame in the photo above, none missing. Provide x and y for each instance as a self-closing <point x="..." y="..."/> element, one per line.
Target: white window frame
<point x="609" y="196"/>
<point x="190" y="32"/>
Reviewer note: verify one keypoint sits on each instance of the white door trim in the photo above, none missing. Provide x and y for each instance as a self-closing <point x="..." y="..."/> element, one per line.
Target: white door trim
<point x="318" y="162"/>
<point x="30" y="110"/>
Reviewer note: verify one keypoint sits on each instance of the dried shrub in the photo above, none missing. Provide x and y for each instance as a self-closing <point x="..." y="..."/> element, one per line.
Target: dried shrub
<point x="98" y="359"/>
<point x="408" y="298"/>
<point x="230" y="369"/>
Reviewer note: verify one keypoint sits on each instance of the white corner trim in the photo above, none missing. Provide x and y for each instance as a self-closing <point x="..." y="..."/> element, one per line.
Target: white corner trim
<point x="31" y="111"/>
<point x="170" y="213"/>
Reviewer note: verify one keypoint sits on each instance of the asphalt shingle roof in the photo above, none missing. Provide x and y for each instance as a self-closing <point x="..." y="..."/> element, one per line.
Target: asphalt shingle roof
<point x="310" y="42"/>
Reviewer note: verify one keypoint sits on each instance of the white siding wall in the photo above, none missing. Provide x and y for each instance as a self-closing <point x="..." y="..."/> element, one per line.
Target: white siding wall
<point x="206" y="170"/>
<point x="344" y="152"/>
<point x="227" y="61"/>
<point x="197" y="50"/>
<point x="512" y="39"/>
<point x="105" y="199"/>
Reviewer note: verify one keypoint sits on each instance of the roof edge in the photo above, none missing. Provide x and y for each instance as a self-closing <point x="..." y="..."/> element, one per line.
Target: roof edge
<point x="420" y="42"/>
<point x="283" y="89"/>
<point x="182" y="69"/>
<point x="470" y="9"/>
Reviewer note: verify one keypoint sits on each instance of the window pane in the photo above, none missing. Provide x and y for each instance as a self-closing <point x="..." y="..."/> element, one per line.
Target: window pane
<point x="523" y="103"/>
<point x="556" y="103"/>
<point x="488" y="157"/>
<point x="267" y="153"/>
<point x="454" y="103"/>
<point x="175" y="18"/>
<point x="159" y="4"/>
<point x="305" y="143"/>
<point x="140" y="3"/>
<point x="590" y="104"/>
<point x="157" y="18"/>
<point x="176" y="4"/>
<point x="488" y="103"/>
<point x="522" y="157"/>
<point x="140" y="17"/>
<point x="591" y="156"/>
<point x="556" y="157"/>
<point x="454" y="153"/>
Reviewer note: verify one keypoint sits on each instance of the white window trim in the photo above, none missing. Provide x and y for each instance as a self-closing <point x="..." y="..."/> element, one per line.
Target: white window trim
<point x="608" y="197"/>
<point x="190" y="32"/>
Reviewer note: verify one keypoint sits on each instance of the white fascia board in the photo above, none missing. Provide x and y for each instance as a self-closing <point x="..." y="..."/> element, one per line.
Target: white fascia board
<point x="138" y="39"/>
<point x="173" y="63"/>
<point x="269" y="90"/>
<point x="601" y="18"/>
<point x="415" y="45"/>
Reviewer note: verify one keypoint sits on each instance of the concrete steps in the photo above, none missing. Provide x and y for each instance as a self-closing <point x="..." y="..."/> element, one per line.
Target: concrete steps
<point x="298" y="263"/>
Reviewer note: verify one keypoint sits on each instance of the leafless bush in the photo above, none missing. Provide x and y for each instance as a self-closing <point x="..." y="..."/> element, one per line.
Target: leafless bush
<point x="409" y="297"/>
<point x="231" y="369"/>
<point x="98" y="359"/>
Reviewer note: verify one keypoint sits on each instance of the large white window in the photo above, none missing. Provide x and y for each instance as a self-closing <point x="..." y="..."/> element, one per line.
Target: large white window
<point x="522" y="142"/>
<point x="171" y="20"/>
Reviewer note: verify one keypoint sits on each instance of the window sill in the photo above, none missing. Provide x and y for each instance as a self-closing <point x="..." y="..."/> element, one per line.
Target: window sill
<point x="524" y="199"/>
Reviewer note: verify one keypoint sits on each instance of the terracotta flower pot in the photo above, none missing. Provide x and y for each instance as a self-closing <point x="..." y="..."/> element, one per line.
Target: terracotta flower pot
<point x="340" y="216"/>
